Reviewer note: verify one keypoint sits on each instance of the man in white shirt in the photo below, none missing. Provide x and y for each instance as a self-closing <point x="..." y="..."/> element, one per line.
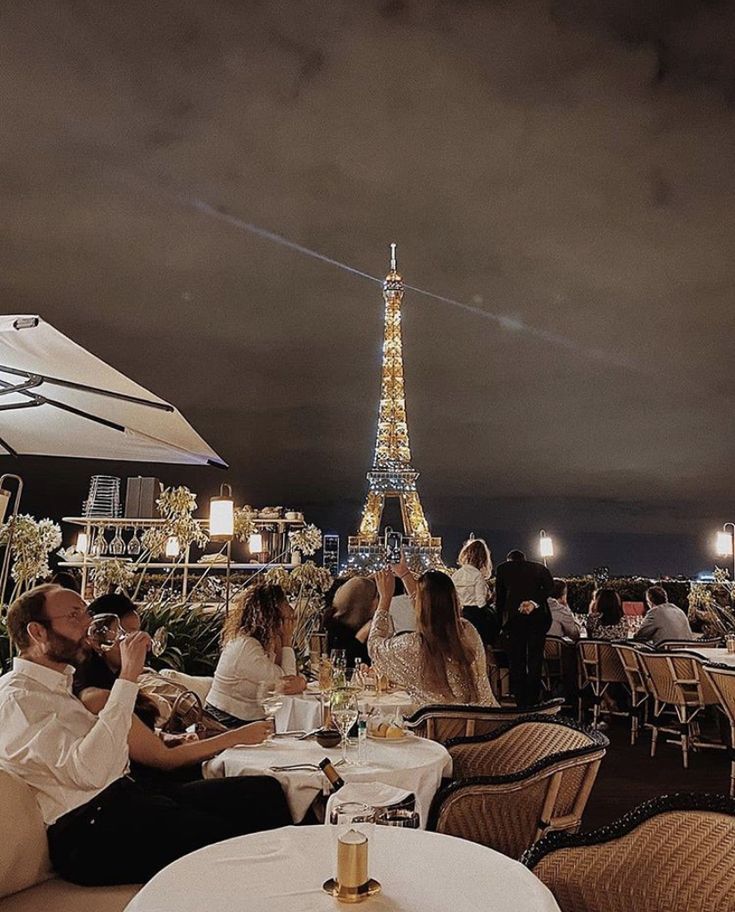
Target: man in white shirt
<point x="102" y="826"/>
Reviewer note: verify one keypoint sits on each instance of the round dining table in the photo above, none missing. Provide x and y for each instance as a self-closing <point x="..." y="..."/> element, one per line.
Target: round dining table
<point x="414" y="764"/>
<point x="283" y="871"/>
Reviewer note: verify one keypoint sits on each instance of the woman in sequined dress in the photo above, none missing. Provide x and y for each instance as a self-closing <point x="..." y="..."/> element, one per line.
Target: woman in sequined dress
<point x="443" y="660"/>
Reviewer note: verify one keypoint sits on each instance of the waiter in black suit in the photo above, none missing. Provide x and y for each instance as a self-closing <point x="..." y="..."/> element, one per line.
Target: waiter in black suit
<point x="522" y="588"/>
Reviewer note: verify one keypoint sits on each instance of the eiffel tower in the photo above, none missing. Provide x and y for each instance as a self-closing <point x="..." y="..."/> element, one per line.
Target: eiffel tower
<point x="392" y="475"/>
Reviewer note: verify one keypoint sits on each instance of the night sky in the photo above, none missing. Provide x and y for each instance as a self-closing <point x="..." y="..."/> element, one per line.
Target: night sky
<point x="563" y="168"/>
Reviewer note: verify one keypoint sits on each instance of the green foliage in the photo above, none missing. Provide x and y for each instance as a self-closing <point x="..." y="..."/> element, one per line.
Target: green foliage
<point x="193" y="636"/>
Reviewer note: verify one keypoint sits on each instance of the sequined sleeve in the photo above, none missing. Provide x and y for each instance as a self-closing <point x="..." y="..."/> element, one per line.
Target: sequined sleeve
<point x="395" y="656"/>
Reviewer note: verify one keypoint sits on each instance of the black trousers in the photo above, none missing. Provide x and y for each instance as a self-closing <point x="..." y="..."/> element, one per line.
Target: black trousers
<point x="130" y="831"/>
<point x="525" y="656"/>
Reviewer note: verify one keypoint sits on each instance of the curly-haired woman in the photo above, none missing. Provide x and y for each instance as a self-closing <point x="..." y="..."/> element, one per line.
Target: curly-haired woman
<point x="256" y="648"/>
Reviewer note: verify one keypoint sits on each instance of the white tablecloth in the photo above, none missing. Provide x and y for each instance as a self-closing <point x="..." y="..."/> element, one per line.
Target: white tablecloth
<point x="714" y="655"/>
<point x="415" y="764"/>
<point x="299" y="713"/>
<point x="283" y="871"/>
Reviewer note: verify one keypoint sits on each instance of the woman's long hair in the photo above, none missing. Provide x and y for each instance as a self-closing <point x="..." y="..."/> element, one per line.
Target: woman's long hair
<point x="476" y="553"/>
<point x="438" y="624"/>
<point x="256" y="612"/>
<point x="608" y="606"/>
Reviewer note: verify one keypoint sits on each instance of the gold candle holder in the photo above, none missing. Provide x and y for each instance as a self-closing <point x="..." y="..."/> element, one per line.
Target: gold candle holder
<point x="352" y="883"/>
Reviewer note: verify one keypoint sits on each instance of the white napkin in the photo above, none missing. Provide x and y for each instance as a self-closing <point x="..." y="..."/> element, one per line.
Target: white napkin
<point x="374" y="794"/>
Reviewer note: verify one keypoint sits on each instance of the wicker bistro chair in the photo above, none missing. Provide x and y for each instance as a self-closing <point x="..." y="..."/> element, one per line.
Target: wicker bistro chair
<point x="722" y="680"/>
<point x="441" y="722"/>
<point x="599" y="667"/>
<point x="671" y="854"/>
<point x="637" y="683"/>
<point x="498" y="671"/>
<point x="556" y="648"/>
<point x="678" y="684"/>
<point x="676" y="645"/>
<point x="519" y="782"/>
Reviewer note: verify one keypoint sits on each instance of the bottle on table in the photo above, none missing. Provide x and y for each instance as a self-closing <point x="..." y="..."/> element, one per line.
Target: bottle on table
<point x="335" y="780"/>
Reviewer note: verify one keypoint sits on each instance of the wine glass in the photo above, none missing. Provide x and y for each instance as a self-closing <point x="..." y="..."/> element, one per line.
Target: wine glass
<point x="100" y="544"/>
<point x="117" y="545"/>
<point x="345" y="711"/>
<point x="159" y="641"/>
<point x="134" y="545"/>
<point x="271" y="699"/>
<point x="106" y="631"/>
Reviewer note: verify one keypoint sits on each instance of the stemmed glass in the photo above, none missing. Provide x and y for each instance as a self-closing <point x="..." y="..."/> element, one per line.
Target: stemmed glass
<point x="134" y="545"/>
<point x="271" y="699"/>
<point x="106" y="631"/>
<point x="117" y="545"/>
<point x="100" y="544"/>
<point x="345" y="711"/>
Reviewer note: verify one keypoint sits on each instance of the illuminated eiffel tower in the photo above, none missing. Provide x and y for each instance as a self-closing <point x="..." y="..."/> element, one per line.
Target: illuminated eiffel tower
<point x="392" y="475"/>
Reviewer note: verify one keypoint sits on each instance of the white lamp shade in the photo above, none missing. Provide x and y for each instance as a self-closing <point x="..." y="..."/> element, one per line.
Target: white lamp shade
<point x="724" y="544"/>
<point x="221" y="518"/>
<point x="172" y="547"/>
<point x="255" y="543"/>
<point x="546" y="546"/>
<point x="82" y="543"/>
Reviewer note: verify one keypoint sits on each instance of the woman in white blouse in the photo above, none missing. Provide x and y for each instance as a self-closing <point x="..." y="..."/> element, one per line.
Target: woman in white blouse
<point x="256" y="640"/>
<point x="470" y="581"/>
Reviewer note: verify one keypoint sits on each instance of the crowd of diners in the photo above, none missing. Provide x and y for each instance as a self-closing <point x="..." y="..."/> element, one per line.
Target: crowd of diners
<point x="120" y="802"/>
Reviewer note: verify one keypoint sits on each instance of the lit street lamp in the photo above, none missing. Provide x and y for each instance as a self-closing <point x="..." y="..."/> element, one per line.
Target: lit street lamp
<point x="222" y="529"/>
<point x="545" y="546"/>
<point x="725" y="544"/>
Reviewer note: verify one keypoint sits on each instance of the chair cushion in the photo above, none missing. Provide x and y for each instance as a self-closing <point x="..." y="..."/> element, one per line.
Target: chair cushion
<point x="24" y="859"/>
<point x="60" y="896"/>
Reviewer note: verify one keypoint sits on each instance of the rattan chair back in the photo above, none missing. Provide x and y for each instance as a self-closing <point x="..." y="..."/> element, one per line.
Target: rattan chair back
<point x="635" y="676"/>
<point x="676" y="679"/>
<point x="515" y="747"/>
<point x="443" y="722"/>
<point x="543" y="772"/>
<point x="675" y="645"/>
<point x="669" y="855"/>
<point x="721" y="678"/>
<point x="599" y="662"/>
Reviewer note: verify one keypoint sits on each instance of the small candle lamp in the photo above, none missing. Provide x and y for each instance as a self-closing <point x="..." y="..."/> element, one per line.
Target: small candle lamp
<point x="352" y="883"/>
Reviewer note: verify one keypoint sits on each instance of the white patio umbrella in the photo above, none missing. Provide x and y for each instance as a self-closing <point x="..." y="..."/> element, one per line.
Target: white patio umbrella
<point x="58" y="399"/>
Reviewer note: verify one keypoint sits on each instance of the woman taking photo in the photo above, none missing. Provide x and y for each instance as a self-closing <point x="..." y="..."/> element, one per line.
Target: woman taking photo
<point x="471" y="583"/>
<point x="256" y="641"/>
<point x="443" y="660"/>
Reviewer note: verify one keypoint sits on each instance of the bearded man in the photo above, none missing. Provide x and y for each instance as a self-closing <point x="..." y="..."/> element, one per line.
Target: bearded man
<point x="102" y="826"/>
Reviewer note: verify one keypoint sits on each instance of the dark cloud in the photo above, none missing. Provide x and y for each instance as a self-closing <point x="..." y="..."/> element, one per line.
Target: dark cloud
<point x="565" y="167"/>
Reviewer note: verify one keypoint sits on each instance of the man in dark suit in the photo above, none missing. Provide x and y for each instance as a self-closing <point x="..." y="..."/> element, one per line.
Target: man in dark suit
<point x="522" y="588"/>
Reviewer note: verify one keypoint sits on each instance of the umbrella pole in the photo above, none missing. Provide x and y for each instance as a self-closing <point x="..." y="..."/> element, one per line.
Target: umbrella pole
<point x="5" y="571"/>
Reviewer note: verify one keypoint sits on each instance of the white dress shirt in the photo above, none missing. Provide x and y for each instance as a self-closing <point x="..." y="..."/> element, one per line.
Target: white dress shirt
<point x="243" y="665"/>
<point x="471" y="586"/>
<point x="65" y="753"/>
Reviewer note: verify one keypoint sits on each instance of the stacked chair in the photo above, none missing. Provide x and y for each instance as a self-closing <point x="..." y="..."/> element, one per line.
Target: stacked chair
<point x="671" y="854"/>
<point x="518" y="782"/>
<point x="442" y="722"/>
